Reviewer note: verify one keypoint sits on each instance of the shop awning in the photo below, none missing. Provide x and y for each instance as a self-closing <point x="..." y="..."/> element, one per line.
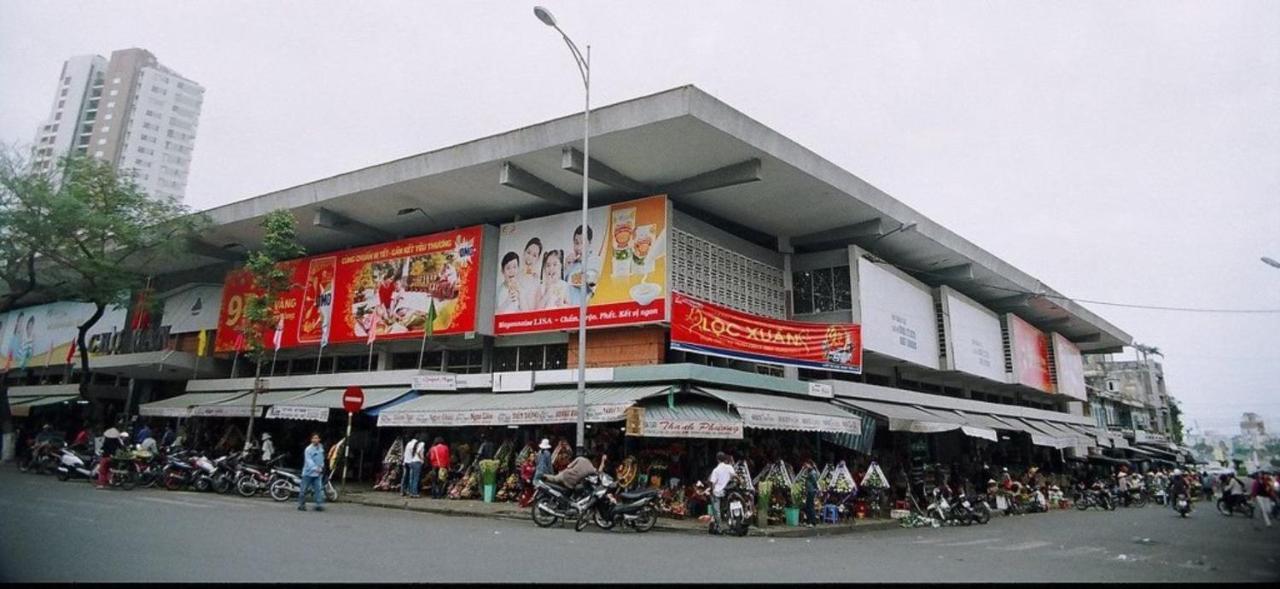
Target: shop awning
<point x="1156" y="451"/>
<point x="23" y="408"/>
<point x="541" y="407"/>
<point x="315" y="404"/>
<point x="181" y="405"/>
<point x="686" y="420"/>
<point x="240" y="406"/>
<point x="1076" y="439"/>
<point x="905" y="418"/>
<point x="1040" y="436"/>
<point x="780" y="412"/>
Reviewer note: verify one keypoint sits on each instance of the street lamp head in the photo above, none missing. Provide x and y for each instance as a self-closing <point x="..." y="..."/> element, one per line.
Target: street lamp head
<point x="403" y="212"/>
<point x="544" y="15"/>
<point x="1270" y="262"/>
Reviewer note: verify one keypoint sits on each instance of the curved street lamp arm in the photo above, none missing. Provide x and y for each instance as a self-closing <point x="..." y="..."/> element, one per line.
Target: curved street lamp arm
<point x="584" y="68"/>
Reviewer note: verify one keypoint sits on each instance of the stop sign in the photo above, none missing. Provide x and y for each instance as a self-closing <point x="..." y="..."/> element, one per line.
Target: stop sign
<point x="353" y="399"/>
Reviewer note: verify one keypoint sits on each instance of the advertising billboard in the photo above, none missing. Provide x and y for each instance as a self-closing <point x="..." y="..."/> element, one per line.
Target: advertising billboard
<point x="540" y="272"/>
<point x="898" y="318"/>
<point x="389" y="288"/>
<point x="707" y="328"/>
<point x="1069" y="364"/>
<point x="1029" y="348"/>
<point x="191" y="310"/>
<point x="974" y="341"/>
<point x="42" y="335"/>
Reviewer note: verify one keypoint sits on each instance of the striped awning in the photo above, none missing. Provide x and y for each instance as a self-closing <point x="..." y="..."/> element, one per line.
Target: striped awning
<point x="781" y="412"/>
<point x="181" y="405"/>
<point x="541" y="407"/>
<point x="686" y="420"/>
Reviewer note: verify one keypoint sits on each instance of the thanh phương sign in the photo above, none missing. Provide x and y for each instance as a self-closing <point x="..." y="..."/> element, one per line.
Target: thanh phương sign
<point x="707" y="328"/>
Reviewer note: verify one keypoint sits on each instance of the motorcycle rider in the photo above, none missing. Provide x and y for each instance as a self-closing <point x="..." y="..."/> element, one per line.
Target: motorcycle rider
<point x="110" y="445"/>
<point x="1232" y="491"/>
<point x="1178" y="488"/>
<point x="580" y="468"/>
<point x="719" y="479"/>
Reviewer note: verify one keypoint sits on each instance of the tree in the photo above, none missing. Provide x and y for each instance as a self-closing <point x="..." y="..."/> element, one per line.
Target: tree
<point x="270" y="280"/>
<point x="1175" y="421"/>
<point x="98" y="231"/>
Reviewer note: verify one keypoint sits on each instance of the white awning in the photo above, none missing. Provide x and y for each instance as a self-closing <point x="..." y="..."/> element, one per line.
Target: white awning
<point x="775" y="411"/>
<point x="541" y="407"/>
<point x="702" y="420"/>
<point x="241" y="406"/>
<point x="21" y="406"/>
<point x="315" y="404"/>
<point x="907" y="418"/>
<point x="181" y="405"/>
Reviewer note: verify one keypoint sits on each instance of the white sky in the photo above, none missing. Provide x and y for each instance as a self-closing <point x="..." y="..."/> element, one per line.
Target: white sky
<point x="1118" y="151"/>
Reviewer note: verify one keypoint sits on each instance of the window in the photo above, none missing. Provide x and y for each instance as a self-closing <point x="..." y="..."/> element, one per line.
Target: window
<point x="111" y="104"/>
<point x="1111" y="386"/>
<point x="57" y="116"/>
<point x="102" y="142"/>
<point x="547" y="357"/>
<point x="357" y="363"/>
<point x="97" y="153"/>
<point x="821" y="290"/>
<point x="115" y="92"/>
<point x="465" y="361"/>
<point x="115" y="81"/>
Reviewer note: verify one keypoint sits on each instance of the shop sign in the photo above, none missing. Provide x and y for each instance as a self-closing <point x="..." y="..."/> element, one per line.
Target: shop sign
<point x="513" y="381"/>
<point x="192" y="310"/>
<point x="41" y="335"/>
<point x="707" y="328"/>
<point x="389" y="288"/>
<point x="298" y="413"/>
<point x="495" y="417"/>
<point x="222" y="411"/>
<point x="164" y="411"/>
<point x="768" y="419"/>
<point x="540" y="272"/>
<point x="635" y="421"/>
<point x="1069" y="365"/>
<point x="435" y="382"/>
<point x="1030" y="350"/>
<point x="897" y="314"/>
<point x="822" y="390"/>
<point x="691" y="428"/>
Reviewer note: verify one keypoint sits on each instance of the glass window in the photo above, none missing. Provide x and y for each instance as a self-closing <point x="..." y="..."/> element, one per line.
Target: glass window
<point x="803" y="292"/>
<point x="822" y="299"/>
<point x="465" y="361"/>
<point x="840" y="287"/>
<point x="530" y="358"/>
<point x="358" y="363"/>
<point x="505" y="359"/>
<point x="404" y="361"/>
<point x="557" y="356"/>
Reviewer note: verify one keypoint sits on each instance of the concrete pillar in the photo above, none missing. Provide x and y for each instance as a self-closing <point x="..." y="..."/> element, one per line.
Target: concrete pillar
<point x="784" y="246"/>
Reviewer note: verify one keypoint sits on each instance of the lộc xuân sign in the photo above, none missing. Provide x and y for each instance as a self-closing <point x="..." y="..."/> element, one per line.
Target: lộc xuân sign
<point x="707" y="328"/>
<point x="389" y="288"/>
<point x="540" y="269"/>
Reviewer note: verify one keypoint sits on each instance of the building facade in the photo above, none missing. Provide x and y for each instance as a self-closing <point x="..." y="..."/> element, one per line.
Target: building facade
<point x="131" y="111"/>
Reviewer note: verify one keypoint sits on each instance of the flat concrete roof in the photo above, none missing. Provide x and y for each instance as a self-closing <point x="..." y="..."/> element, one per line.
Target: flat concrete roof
<point x="655" y="141"/>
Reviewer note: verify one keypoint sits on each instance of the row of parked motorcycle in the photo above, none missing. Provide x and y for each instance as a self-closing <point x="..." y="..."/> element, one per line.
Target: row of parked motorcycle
<point x="178" y="469"/>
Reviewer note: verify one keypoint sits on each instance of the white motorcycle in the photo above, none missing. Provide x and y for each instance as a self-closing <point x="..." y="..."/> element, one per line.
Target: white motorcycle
<point x="71" y="464"/>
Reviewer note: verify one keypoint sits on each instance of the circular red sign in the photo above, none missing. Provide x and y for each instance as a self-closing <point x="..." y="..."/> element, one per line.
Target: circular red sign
<point x="353" y="399"/>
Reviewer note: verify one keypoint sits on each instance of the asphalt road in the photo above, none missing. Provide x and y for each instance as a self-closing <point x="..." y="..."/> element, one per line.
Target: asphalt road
<point x="52" y="531"/>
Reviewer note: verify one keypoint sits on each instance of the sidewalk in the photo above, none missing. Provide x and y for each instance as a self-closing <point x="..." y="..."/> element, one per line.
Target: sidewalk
<point x="512" y="511"/>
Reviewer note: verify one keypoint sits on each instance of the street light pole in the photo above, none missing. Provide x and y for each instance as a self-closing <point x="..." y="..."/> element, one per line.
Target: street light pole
<point x="1270" y="262"/>
<point x="584" y="68"/>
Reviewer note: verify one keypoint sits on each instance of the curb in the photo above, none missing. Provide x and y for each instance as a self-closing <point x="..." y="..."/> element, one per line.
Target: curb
<point x="779" y="532"/>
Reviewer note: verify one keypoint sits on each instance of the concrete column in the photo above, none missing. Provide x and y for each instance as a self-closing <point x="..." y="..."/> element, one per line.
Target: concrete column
<point x="784" y="246"/>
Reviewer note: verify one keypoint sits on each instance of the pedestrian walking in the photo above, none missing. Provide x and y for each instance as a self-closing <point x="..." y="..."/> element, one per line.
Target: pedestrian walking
<point x="543" y="466"/>
<point x="810" y="480"/>
<point x="413" y="454"/>
<point x="1261" y="489"/>
<point x="312" y="474"/>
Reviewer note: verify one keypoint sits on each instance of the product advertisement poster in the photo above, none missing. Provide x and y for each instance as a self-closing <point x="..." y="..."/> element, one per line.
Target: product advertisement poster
<point x="540" y="270"/>
<point x="1069" y="363"/>
<point x="41" y="336"/>
<point x="389" y="288"/>
<point x="707" y="328"/>
<point x="1030" y="348"/>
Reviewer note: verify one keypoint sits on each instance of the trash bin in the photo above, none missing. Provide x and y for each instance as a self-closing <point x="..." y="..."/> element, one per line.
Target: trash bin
<point x="793" y="516"/>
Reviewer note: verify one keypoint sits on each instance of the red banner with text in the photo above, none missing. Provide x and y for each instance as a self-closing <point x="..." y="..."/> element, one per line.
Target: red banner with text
<point x="389" y="287"/>
<point x="706" y="328"/>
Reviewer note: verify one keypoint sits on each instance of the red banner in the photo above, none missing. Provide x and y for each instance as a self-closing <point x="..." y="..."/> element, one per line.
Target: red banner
<point x="390" y="287"/>
<point x="1030" y="348"/>
<point x="707" y="328"/>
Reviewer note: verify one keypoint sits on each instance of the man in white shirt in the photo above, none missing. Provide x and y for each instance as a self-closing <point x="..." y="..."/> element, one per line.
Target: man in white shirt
<point x="268" y="448"/>
<point x="720" y="478"/>
<point x="413" y="454"/>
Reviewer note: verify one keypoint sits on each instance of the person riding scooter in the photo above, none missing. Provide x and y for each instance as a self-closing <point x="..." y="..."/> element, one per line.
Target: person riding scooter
<point x="573" y="474"/>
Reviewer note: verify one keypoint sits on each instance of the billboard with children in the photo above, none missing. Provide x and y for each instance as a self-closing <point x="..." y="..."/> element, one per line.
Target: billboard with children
<point x="389" y="289"/>
<point x="540" y="270"/>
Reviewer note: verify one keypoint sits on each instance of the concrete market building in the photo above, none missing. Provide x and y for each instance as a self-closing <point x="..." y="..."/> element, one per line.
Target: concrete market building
<point x="748" y="226"/>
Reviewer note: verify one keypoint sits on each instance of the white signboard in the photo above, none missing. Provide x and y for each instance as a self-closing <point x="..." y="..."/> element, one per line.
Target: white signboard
<point x="192" y="310"/>
<point x="41" y="335"/>
<point x="767" y="419"/>
<point x="539" y="416"/>
<point x="1069" y="364"/>
<point x="164" y="411"/>
<point x="974" y="341"/>
<point x="435" y="382"/>
<point x="690" y="428"/>
<point x="475" y="381"/>
<point x="512" y="381"/>
<point x="222" y="411"/>
<point x="300" y="413"/>
<point x="823" y="390"/>
<point x="898" y="318"/>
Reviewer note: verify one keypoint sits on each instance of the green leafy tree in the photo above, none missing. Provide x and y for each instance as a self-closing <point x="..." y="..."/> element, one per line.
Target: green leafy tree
<point x="1175" y="421"/>
<point x="97" y="232"/>
<point x="270" y="281"/>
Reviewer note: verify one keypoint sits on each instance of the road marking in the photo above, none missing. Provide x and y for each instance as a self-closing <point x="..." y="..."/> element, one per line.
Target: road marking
<point x="927" y="541"/>
<point x="172" y="502"/>
<point x="1023" y="546"/>
<point x="77" y="503"/>
<point x="971" y="542"/>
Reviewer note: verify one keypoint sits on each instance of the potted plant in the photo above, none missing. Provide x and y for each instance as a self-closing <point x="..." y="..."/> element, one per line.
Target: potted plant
<point x="794" y="500"/>
<point x="489" y="477"/>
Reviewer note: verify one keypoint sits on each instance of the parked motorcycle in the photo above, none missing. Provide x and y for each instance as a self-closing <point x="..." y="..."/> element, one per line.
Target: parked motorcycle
<point x="223" y="477"/>
<point x="738" y="509"/>
<point x="253" y="479"/>
<point x="553" y="502"/>
<point x="72" y="464"/>
<point x="1134" y="498"/>
<point x="1242" y="506"/>
<point x="610" y="506"/>
<point x="971" y="510"/>
<point x="289" y="481"/>
<point x="44" y="459"/>
<point x="180" y="472"/>
<point x="1093" y="497"/>
<point x="939" y="508"/>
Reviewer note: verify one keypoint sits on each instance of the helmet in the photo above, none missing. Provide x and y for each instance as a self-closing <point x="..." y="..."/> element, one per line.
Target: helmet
<point x="1177" y="472"/>
<point x="545" y="444"/>
<point x="266" y="436"/>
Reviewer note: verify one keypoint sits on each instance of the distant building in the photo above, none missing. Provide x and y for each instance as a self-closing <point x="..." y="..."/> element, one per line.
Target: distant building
<point x="131" y="111"/>
<point x="1129" y="395"/>
<point x="1252" y="424"/>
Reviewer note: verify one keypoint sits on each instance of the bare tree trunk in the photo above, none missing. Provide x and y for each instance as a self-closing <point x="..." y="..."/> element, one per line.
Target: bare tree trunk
<point x="253" y="402"/>
<point x="83" y="346"/>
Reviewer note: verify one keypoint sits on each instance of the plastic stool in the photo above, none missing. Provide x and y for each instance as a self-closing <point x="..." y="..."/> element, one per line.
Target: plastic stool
<point x="831" y="513"/>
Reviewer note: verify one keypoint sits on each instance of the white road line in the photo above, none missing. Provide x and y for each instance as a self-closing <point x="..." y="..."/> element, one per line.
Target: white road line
<point x="927" y="541"/>
<point x="972" y="542"/>
<point x="1023" y="546"/>
<point x="172" y="502"/>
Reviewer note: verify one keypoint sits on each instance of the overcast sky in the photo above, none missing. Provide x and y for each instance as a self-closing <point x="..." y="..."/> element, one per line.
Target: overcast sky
<point x="1118" y="151"/>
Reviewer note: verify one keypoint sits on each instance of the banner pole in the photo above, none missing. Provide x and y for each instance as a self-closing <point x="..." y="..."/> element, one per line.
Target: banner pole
<point x="346" y="453"/>
<point x="318" y="358"/>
